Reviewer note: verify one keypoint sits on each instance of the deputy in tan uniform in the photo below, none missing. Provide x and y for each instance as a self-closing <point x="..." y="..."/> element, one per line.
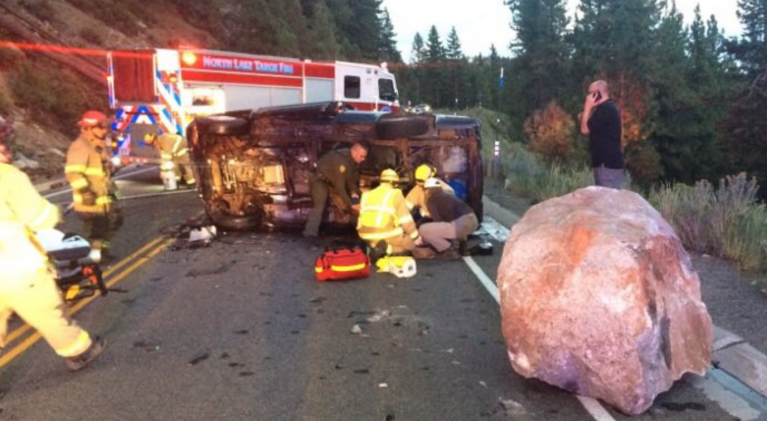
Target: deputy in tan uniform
<point x="337" y="176"/>
<point x="93" y="193"/>
<point x="27" y="285"/>
<point x="173" y="148"/>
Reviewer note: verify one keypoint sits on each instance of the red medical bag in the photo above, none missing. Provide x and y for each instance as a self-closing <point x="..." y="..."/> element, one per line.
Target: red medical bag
<point x="342" y="264"/>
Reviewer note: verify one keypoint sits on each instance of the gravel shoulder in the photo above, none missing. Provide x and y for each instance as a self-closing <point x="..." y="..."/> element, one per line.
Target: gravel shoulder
<point x="734" y="299"/>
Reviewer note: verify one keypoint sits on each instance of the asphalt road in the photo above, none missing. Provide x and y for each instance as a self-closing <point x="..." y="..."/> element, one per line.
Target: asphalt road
<point x="240" y="330"/>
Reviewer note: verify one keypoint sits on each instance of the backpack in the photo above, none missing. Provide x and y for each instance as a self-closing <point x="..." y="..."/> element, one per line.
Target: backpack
<point x="342" y="264"/>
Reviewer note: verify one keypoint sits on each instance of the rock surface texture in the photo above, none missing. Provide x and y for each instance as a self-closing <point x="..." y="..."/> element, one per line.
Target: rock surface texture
<point x="599" y="298"/>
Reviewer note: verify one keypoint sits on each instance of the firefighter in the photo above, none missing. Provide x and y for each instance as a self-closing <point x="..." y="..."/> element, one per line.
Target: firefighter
<point x="173" y="149"/>
<point x="385" y="222"/>
<point x="416" y="197"/>
<point x="337" y="178"/>
<point x="93" y="193"/>
<point x="28" y="287"/>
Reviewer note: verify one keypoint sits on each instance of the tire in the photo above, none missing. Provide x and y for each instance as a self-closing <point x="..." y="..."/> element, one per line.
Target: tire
<point x="223" y="125"/>
<point x="236" y="223"/>
<point x="403" y="126"/>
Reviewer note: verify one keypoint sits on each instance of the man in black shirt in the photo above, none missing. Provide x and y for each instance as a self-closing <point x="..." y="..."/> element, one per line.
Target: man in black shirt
<point x="601" y="121"/>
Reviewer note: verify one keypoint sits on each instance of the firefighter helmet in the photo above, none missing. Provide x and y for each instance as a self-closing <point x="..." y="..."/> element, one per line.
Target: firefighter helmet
<point x="389" y="176"/>
<point x="423" y="172"/>
<point x="92" y="118"/>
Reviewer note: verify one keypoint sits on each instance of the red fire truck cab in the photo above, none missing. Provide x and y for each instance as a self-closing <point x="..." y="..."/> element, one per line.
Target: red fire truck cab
<point x="162" y="90"/>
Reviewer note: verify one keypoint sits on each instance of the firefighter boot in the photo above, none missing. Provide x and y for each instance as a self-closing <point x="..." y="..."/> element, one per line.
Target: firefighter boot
<point x="90" y="354"/>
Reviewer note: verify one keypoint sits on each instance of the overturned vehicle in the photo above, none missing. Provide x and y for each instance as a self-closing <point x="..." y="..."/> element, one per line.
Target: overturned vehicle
<point x="254" y="168"/>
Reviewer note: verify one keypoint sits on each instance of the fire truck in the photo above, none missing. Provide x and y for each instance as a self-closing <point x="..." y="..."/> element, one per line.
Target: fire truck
<point x="163" y="90"/>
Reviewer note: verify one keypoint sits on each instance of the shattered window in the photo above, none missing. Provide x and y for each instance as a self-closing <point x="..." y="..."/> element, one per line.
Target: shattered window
<point x="352" y="87"/>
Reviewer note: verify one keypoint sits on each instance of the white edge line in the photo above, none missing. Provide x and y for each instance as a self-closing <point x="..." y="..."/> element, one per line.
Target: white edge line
<point x="119" y="177"/>
<point x="592" y="406"/>
<point x="483" y="278"/>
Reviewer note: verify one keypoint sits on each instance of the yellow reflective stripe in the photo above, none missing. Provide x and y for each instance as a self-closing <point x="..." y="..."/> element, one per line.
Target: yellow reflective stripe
<point x="318" y="269"/>
<point x="182" y="152"/>
<point x="380" y="209"/>
<point x="410" y="206"/>
<point x="347" y="268"/>
<point x="44" y="215"/>
<point x="415" y="234"/>
<point x="93" y="171"/>
<point x="164" y="155"/>
<point x="81" y="345"/>
<point x="177" y="143"/>
<point x="74" y="169"/>
<point x="405" y="219"/>
<point x="79" y="183"/>
<point x="103" y="200"/>
<point x="390" y="210"/>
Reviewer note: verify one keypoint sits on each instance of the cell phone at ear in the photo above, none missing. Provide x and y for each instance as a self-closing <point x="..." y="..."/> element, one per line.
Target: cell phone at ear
<point x="597" y="96"/>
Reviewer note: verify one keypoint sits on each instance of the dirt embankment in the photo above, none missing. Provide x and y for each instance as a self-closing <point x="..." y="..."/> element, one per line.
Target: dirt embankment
<point x="70" y="38"/>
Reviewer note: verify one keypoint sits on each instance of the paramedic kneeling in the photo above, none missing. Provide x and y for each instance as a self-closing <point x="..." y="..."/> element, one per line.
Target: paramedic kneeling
<point x="452" y="220"/>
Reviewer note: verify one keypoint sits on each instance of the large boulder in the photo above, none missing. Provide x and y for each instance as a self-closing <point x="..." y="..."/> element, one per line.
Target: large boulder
<point x="599" y="298"/>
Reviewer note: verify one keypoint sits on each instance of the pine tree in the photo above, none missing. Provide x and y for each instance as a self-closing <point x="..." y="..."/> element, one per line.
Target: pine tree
<point x="435" y="81"/>
<point x="615" y="40"/>
<point x="745" y="127"/>
<point x="387" y="45"/>
<point x="541" y="64"/>
<point x="322" y="33"/>
<point x="418" y="51"/>
<point x="253" y="28"/>
<point x="453" y="51"/>
<point x="363" y="29"/>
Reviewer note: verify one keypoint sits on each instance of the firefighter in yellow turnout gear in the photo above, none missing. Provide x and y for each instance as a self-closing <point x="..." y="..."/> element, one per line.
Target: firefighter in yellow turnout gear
<point x="384" y="216"/>
<point x="27" y="285"/>
<point x="93" y="192"/>
<point x="173" y="149"/>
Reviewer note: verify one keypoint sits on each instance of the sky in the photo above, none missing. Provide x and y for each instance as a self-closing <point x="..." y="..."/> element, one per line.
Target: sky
<point x="480" y="23"/>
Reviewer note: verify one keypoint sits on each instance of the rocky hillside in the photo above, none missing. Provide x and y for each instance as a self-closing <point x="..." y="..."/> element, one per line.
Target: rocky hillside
<point x="44" y="91"/>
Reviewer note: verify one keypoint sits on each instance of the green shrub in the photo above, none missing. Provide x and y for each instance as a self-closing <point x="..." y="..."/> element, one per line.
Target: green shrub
<point x="530" y="176"/>
<point x="727" y="222"/>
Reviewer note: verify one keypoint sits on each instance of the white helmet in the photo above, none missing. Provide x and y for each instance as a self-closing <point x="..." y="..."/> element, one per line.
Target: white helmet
<point x="432" y="183"/>
<point x="402" y="266"/>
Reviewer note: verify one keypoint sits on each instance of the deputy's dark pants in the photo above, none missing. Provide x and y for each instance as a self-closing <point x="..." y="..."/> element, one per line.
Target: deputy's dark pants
<point x="320" y="193"/>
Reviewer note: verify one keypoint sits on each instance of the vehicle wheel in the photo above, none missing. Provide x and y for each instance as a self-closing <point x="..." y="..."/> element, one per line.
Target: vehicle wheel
<point x="402" y="126"/>
<point x="223" y="125"/>
<point x="236" y="223"/>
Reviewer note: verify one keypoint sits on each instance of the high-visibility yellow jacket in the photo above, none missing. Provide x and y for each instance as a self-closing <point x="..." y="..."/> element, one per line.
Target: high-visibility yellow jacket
<point x="22" y="212"/>
<point x="87" y="171"/>
<point x="384" y="214"/>
<point x="173" y="148"/>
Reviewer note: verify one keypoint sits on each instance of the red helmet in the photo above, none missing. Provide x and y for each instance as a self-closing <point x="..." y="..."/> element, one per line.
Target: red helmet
<point x="92" y="118"/>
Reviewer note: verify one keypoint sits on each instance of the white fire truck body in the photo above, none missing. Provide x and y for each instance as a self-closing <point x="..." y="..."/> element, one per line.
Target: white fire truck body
<point x="161" y="90"/>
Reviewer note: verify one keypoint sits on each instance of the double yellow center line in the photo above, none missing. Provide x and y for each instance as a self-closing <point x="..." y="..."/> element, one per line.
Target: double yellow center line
<point x="112" y="276"/>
